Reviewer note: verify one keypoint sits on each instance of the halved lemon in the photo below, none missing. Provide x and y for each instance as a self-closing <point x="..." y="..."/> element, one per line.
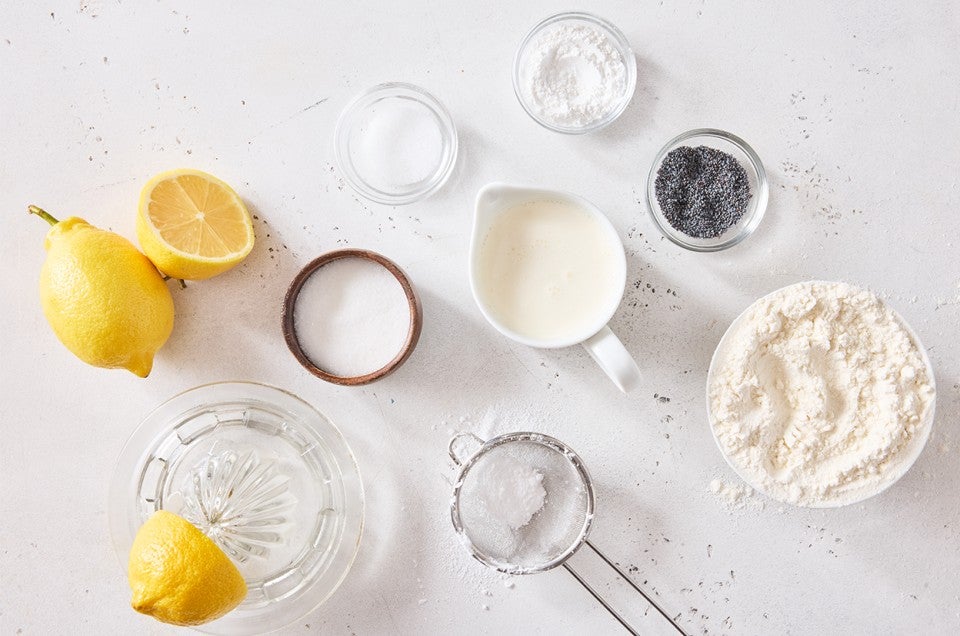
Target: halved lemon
<point x="192" y="225"/>
<point x="180" y="576"/>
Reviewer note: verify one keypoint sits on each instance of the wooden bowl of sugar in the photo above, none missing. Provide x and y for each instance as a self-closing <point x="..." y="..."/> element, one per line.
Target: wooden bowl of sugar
<point x="351" y="317"/>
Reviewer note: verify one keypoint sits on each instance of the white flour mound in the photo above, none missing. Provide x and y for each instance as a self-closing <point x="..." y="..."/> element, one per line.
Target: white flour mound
<point x="820" y="395"/>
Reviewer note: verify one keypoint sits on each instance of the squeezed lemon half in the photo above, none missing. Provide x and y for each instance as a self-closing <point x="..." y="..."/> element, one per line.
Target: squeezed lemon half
<point x="178" y="575"/>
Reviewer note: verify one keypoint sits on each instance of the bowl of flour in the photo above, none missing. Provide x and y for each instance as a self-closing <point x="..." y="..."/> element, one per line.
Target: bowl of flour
<point x="820" y="395"/>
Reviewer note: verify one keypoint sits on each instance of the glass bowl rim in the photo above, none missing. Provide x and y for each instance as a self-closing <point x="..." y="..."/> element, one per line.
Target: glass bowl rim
<point x="140" y="440"/>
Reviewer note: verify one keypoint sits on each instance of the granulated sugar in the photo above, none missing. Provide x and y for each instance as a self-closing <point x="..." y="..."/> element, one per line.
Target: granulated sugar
<point x="820" y="395"/>
<point x="399" y="145"/>
<point x="352" y="317"/>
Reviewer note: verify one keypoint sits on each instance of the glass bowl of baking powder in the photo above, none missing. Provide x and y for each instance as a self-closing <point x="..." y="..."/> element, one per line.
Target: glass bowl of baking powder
<point x="574" y="73"/>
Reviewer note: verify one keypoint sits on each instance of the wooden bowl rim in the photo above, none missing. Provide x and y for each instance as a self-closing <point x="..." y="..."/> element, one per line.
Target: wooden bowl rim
<point x="293" y="292"/>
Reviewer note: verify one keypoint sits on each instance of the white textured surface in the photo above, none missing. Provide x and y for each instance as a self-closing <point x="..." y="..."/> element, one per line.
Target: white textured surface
<point x="853" y="108"/>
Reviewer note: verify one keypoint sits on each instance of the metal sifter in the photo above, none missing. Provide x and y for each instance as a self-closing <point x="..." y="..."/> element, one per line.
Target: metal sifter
<point x="554" y="533"/>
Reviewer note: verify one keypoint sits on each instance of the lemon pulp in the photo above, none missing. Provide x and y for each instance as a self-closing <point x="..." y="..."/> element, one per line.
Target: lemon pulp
<point x="192" y="225"/>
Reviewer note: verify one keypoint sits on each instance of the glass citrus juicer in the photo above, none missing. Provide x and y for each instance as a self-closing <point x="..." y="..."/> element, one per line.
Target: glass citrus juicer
<point x="262" y="473"/>
<point x="554" y="534"/>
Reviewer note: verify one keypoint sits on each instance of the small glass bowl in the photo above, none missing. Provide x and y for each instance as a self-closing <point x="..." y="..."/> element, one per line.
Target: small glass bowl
<point x="357" y="115"/>
<point x="759" y="190"/>
<point x="615" y="35"/>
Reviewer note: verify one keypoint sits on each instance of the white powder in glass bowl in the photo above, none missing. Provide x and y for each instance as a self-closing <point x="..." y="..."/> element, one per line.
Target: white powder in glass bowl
<point x="819" y="396"/>
<point x="572" y="75"/>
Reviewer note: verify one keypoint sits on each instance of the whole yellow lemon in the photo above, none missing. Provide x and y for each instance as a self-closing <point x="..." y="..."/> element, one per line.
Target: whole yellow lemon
<point x="104" y="299"/>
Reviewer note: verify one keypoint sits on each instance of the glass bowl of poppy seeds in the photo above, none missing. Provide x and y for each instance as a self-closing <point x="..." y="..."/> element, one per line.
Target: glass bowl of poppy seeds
<point x="707" y="190"/>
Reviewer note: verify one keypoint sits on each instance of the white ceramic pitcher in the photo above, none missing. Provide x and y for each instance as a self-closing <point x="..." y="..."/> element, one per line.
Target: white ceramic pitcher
<point x="599" y="341"/>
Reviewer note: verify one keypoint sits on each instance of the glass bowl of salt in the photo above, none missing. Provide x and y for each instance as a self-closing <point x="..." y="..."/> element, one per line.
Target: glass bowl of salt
<point x="396" y="143"/>
<point x="351" y="317"/>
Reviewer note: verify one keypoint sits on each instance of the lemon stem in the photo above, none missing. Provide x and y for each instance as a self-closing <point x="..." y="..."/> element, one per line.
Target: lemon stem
<point x="183" y="283"/>
<point x="43" y="214"/>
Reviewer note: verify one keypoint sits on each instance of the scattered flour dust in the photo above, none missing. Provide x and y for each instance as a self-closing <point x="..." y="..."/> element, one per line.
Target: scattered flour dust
<point x="735" y="496"/>
<point x="820" y="396"/>
<point x="944" y="302"/>
<point x="458" y="565"/>
<point x="454" y="555"/>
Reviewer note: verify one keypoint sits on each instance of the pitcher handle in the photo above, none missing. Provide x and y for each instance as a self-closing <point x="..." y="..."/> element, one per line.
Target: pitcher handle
<point x="607" y="350"/>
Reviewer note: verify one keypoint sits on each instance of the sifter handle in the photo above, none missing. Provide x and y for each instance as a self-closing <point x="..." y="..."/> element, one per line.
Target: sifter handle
<point x="454" y="441"/>
<point x="592" y="555"/>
